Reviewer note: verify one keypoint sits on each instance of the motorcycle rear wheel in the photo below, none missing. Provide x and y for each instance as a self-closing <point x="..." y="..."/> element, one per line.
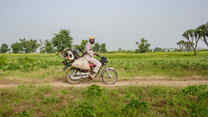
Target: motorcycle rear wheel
<point x="68" y="74"/>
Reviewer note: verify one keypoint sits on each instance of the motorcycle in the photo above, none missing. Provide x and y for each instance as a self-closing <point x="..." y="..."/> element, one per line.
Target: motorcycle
<point x="75" y="75"/>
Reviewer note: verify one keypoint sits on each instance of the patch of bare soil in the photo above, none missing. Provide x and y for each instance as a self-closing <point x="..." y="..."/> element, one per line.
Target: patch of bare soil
<point x="135" y="82"/>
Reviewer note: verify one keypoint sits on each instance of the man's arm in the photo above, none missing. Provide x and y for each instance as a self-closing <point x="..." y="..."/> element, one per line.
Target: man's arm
<point x="96" y="54"/>
<point x="89" y="50"/>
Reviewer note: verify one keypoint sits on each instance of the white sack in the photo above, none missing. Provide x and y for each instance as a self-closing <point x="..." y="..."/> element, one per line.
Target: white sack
<point x="81" y="63"/>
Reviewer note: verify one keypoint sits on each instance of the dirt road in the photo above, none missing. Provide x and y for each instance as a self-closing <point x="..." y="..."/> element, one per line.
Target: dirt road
<point x="169" y="83"/>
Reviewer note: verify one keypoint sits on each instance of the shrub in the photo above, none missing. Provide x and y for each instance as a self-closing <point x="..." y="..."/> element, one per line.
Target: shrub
<point x="203" y="96"/>
<point x="50" y="100"/>
<point x="135" y="106"/>
<point x="93" y="90"/>
<point x="85" y="110"/>
<point x="3" y="62"/>
<point x="199" y="110"/>
<point x="190" y="90"/>
<point x="195" y="90"/>
<point x="24" y="114"/>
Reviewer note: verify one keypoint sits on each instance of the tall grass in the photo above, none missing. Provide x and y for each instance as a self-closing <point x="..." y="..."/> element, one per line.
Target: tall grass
<point x="95" y="101"/>
<point x="28" y="62"/>
<point x="128" y="64"/>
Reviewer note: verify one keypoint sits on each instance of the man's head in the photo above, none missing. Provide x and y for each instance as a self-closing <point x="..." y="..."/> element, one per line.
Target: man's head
<point x="92" y="39"/>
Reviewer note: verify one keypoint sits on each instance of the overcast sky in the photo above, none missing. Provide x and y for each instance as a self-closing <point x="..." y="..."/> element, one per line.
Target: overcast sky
<point x="119" y="23"/>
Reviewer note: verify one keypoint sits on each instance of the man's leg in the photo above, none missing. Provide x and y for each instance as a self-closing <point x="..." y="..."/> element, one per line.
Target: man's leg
<point x="96" y="69"/>
<point x="97" y="63"/>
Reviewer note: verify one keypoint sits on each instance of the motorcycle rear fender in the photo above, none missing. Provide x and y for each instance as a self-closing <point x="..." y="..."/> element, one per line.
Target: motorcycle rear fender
<point x="66" y="67"/>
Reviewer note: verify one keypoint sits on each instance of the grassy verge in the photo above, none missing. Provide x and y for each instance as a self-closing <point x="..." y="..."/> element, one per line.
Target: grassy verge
<point x="128" y="65"/>
<point x="95" y="101"/>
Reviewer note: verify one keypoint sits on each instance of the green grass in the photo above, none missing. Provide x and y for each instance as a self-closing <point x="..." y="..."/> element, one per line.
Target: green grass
<point x="168" y="64"/>
<point x="162" y="64"/>
<point x="95" y="101"/>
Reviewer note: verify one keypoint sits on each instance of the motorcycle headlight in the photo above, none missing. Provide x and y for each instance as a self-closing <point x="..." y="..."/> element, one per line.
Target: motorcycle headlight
<point x="104" y="60"/>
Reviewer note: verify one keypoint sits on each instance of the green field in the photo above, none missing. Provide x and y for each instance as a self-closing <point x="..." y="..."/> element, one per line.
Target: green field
<point x="95" y="101"/>
<point x="176" y="65"/>
<point x="43" y="100"/>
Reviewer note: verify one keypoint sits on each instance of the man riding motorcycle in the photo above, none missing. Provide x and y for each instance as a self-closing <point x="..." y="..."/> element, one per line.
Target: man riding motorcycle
<point x="89" y="55"/>
<point x="86" y="66"/>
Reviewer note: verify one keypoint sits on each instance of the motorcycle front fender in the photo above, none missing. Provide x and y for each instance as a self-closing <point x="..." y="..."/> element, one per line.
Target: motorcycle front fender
<point x="105" y="69"/>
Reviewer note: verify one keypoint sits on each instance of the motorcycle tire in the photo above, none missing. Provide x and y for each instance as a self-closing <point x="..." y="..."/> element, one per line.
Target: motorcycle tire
<point x="111" y="74"/>
<point x="69" y="72"/>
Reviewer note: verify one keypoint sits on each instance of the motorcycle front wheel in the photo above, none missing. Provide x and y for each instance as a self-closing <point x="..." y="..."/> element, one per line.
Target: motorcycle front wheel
<point x="69" y="74"/>
<point x="109" y="75"/>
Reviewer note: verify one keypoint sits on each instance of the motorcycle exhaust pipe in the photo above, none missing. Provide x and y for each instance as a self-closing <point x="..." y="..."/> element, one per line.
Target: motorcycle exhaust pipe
<point x="80" y="77"/>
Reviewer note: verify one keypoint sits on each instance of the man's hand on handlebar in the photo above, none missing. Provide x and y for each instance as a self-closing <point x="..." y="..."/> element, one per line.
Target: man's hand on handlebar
<point x="96" y="54"/>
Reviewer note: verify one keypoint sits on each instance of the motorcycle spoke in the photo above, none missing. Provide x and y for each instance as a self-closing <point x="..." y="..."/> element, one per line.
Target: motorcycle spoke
<point x="110" y="76"/>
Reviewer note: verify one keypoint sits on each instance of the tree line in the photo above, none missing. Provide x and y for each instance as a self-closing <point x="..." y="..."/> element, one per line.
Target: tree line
<point x="63" y="39"/>
<point x="60" y="41"/>
<point x="192" y="38"/>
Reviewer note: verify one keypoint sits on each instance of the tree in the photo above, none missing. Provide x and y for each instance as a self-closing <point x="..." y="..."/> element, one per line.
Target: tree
<point x="17" y="47"/>
<point x="204" y="32"/>
<point x="48" y="47"/>
<point x="184" y="45"/>
<point x="62" y="40"/>
<point x="103" y="48"/>
<point x="181" y="45"/>
<point x="119" y="49"/>
<point x="96" y="47"/>
<point x="26" y="46"/>
<point x="4" y="48"/>
<point x="193" y="36"/>
<point x="188" y="45"/>
<point x="143" y="46"/>
<point x="29" y="46"/>
<point x="158" y="49"/>
<point x="81" y="47"/>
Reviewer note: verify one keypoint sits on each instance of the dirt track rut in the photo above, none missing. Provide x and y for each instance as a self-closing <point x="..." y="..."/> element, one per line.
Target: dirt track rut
<point x="171" y="83"/>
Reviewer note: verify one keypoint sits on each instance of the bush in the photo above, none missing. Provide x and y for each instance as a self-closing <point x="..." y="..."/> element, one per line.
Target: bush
<point x="93" y="91"/>
<point x="24" y="114"/>
<point x="191" y="90"/>
<point x="50" y="100"/>
<point x="135" y="106"/>
<point x="199" y="110"/>
<point x="85" y="110"/>
<point x="3" y="62"/>
<point x="195" y="90"/>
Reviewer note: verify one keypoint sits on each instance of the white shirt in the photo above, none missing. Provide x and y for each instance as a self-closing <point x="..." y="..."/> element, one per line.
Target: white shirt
<point x="89" y="49"/>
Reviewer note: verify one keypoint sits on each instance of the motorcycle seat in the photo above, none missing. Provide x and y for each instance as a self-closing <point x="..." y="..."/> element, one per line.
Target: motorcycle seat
<point x="92" y="65"/>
